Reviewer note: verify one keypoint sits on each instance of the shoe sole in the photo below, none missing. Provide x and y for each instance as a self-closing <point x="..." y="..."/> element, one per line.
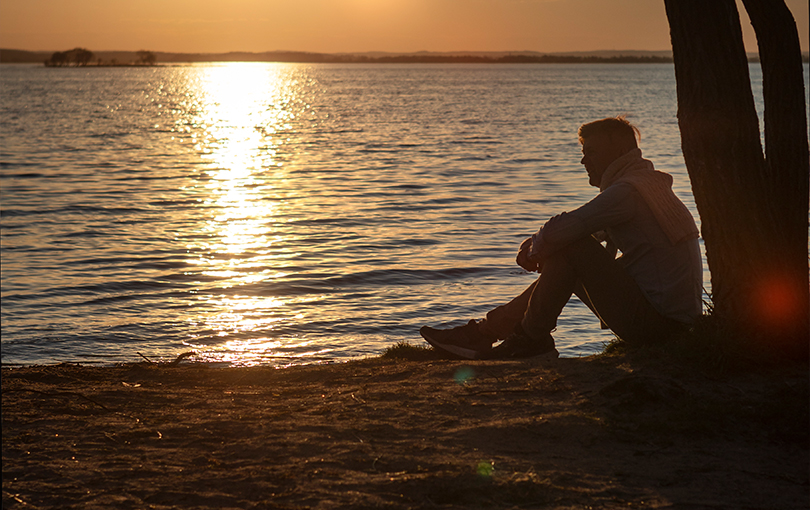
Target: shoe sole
<point x="455" y="350"/>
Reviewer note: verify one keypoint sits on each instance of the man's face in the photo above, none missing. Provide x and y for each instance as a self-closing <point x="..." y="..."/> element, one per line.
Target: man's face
<point x="597" y="154"/>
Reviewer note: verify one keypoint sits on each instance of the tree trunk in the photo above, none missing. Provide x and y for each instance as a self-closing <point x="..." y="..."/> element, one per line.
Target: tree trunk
<point x="753" y="211"/>
<point x="786" y="148"/>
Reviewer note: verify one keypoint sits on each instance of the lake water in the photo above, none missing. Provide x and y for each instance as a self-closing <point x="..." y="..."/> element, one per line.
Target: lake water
<point x="285" y="214"/>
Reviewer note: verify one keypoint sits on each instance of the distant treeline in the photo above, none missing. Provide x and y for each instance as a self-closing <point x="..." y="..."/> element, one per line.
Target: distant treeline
<point x="79" y="57"/>
<point x="417" y="58"/>
<point x="506" y="59"/>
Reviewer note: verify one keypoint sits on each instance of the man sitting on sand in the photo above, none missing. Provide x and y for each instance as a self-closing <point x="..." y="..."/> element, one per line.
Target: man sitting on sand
<point x="652" y="291"/>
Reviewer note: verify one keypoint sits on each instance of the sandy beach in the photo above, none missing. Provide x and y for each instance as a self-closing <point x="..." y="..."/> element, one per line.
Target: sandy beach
<point x="609" y="431"/>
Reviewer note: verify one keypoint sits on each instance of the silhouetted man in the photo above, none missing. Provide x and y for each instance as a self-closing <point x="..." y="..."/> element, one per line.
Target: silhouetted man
<point x="650" y="292"/>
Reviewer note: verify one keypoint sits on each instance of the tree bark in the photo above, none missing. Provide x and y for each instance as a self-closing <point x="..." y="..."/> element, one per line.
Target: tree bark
<point x="753" y="211"/>
<point x="786" y="146"/>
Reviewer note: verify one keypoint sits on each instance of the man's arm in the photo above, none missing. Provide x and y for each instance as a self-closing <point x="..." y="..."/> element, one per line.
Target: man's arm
<point x="611" y="207"/>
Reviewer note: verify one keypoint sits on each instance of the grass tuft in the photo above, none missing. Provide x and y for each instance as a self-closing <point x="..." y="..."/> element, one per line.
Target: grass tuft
<point x="615" y="346"/>
<point x="410" y="352"/>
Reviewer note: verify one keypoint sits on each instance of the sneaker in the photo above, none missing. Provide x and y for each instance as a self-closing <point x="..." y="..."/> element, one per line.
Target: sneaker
<point x="465" y="341"/>
<point x="519" y="345"/>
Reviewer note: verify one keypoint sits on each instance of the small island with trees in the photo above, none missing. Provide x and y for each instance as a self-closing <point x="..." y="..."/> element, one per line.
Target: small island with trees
<point x="82" y="57"/>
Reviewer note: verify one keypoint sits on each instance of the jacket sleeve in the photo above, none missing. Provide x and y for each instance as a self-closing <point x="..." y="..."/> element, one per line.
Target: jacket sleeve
<point x="614" y="206"/>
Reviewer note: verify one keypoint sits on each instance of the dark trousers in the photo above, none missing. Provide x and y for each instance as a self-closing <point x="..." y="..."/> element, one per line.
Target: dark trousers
<point x="586" y="269"/>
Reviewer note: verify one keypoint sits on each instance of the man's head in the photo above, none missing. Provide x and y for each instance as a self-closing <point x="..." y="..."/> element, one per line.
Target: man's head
<point x="603" y="141"/>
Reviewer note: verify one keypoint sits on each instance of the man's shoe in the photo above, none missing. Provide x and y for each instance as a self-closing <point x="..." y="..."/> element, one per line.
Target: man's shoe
<point x="465" y="341"/>
<point x="519" y="345"/>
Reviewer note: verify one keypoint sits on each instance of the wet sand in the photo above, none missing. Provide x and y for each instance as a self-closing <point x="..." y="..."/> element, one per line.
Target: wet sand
<point x="619" y="431"/>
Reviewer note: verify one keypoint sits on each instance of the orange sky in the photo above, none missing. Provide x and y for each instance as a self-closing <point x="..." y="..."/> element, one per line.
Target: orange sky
<point x="333" y="26"/>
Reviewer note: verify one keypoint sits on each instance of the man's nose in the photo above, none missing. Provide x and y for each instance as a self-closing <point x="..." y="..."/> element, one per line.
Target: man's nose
<point x="582" y="161"/>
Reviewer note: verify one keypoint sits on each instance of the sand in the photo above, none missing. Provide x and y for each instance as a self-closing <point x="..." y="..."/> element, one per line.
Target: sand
<point x="618" y="431"/>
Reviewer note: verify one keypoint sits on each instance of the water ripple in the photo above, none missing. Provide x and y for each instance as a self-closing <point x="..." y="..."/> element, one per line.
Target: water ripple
<point x="285" y="214"/>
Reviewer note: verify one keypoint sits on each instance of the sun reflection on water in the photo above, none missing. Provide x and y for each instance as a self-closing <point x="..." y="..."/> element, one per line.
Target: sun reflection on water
<point x="243" y="108"/>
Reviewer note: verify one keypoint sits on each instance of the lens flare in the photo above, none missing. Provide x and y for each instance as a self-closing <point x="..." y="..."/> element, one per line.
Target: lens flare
<point x="779" y="300"/>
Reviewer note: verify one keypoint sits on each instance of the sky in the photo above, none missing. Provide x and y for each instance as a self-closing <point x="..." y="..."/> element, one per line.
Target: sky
<point x="346" y="26"/>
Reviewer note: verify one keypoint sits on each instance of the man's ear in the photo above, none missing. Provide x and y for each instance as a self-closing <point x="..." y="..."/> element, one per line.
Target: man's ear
<point x="625" y="147"/>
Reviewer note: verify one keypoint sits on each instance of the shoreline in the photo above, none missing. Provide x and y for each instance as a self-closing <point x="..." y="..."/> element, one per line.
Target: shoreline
<point x="604" y="431"/>
<point x="131" y="59"/>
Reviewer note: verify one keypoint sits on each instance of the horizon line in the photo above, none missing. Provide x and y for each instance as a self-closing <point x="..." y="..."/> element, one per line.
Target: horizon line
<point x="378" y="52"/>
<point x="359" y="52"/>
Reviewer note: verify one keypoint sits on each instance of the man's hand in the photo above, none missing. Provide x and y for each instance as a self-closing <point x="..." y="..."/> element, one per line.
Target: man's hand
<point x="523" y="257"/>
<point x="529" y="256"/>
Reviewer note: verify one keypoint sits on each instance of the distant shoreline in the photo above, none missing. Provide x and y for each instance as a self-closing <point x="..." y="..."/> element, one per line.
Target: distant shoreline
<point x="129" y="58"/>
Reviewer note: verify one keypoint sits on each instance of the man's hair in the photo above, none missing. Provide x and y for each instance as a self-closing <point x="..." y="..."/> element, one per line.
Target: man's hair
<point x="618" y="129"/>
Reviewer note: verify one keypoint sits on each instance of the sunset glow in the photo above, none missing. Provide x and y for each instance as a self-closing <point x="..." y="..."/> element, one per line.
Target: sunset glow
<point x="335" y="26"/>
